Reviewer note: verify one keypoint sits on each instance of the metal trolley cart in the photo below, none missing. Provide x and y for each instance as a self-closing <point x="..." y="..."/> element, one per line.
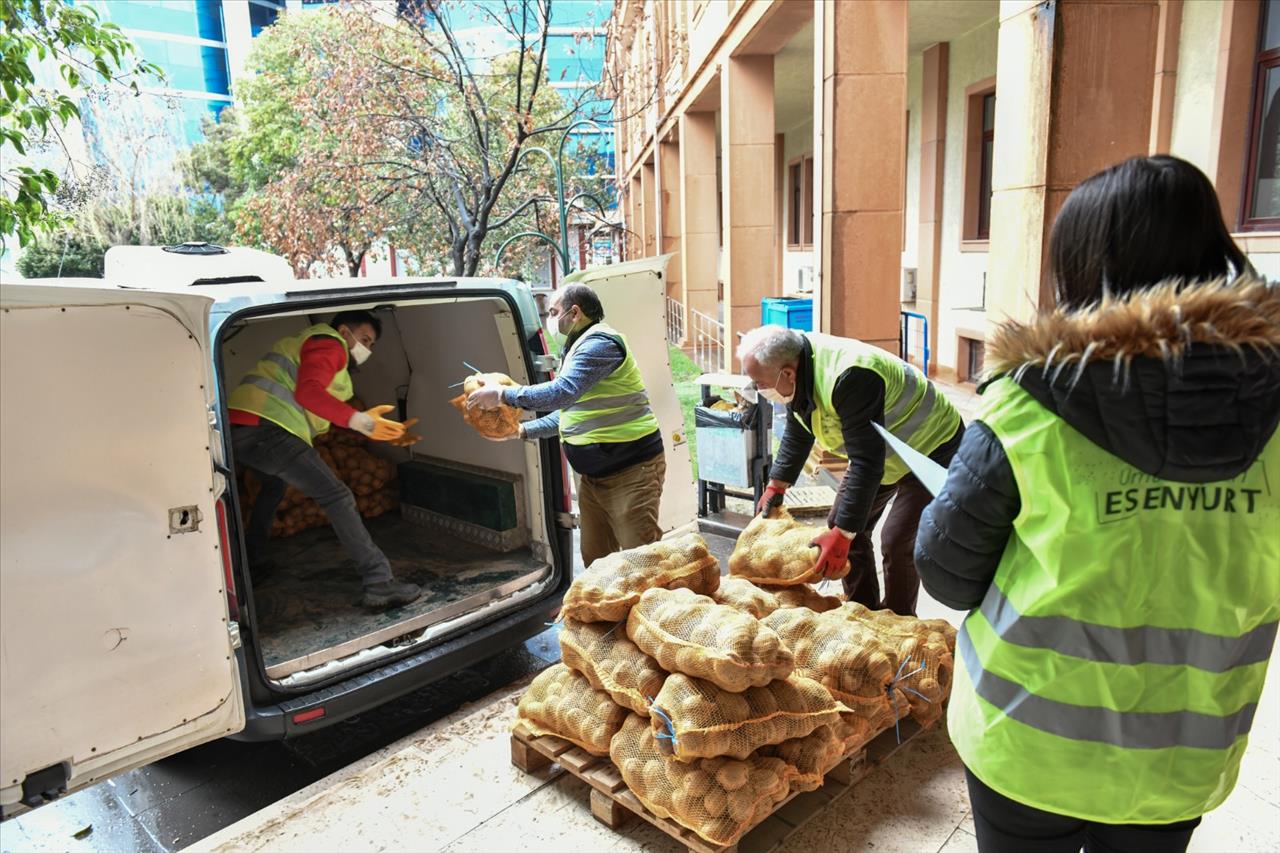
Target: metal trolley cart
<point x="734" y="452"/>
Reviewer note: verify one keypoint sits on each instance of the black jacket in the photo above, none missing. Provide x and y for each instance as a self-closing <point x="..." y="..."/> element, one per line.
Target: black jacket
<point x="1184" y="386"/>
<point x="858" y="398"/>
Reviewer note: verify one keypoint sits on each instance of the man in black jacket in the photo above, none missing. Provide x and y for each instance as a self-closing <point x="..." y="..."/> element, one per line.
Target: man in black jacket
<point x="836" y="389"/>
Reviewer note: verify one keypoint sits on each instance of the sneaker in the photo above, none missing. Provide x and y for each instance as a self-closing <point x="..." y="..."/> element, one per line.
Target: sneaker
<point x="381" y="596"/>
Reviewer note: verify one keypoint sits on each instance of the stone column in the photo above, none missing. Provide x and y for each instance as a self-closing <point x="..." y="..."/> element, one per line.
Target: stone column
<point x="864" y="103"/>
<point x="747" y="140"/>
<point x="669" y="212"/>
<point x="649" y="209"/>
<point x="700" y="241"/>
<point x="1073" y="96"/>
<point x="933" y="140"/>
<point x="635" y="222"/>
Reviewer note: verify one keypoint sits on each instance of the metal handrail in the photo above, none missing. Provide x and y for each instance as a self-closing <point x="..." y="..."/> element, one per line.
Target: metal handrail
<point x="708" y="342"/>
<point x="675" y="321"/>
<point x="904" y="338"/>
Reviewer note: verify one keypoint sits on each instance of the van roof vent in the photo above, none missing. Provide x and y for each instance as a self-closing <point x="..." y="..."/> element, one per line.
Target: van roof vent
<point x="196" y="248"/>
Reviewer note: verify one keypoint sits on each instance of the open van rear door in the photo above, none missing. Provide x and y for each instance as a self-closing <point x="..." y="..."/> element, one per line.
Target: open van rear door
<point x="115" y="644"/>
<point x="634" y="298"/>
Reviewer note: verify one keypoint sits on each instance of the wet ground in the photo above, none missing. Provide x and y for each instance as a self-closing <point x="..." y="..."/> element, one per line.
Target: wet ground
<point x="189" y="796"/>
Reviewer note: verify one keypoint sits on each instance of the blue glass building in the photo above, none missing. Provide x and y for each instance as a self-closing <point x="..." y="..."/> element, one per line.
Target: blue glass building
<point x="200" y="44"/>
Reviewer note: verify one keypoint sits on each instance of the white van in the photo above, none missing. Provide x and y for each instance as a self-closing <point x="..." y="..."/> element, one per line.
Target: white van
<point x="131" y="626"/>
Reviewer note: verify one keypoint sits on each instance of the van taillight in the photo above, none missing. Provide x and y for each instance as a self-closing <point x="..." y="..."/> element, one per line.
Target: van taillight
<point x="308" y="716"/>
<point x="220" y="509"/>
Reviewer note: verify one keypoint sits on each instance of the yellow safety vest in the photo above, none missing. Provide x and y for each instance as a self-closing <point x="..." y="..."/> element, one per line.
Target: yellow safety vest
<point x="616" y="409"/>
<point x="267" y="389"/>
<point x="1114" y="668"/>
<point x="914" y="411"/>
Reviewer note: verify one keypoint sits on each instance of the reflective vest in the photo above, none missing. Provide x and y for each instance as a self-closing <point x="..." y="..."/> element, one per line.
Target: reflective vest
<point x="914" y="411"/>
<point x="1113" y="670"/>
<point x="616" y="409"/>
<point x="267" y="389"/>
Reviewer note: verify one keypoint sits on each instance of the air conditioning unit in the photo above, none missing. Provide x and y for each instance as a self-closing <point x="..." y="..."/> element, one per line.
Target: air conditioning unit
<point x="804" y="280"/>
<point x="908" y="284"/>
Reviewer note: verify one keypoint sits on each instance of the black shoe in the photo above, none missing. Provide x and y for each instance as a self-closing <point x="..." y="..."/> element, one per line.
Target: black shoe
<point x="381" y="596"/>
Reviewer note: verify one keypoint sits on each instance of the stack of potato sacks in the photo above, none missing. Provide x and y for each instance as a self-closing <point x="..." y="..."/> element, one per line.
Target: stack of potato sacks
<point x="371" y="478"/>
<point x="717" y="698"/>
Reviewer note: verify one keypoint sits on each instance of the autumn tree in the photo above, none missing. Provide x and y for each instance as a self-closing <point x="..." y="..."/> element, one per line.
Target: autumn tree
<point x="459" y="123"/>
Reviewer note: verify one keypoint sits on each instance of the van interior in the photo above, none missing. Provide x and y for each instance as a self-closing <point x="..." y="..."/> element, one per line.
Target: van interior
<point x="463" y="517"/>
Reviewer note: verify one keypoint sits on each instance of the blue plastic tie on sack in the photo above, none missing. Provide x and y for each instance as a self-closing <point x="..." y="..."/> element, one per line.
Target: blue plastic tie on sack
<point x="898" y="677"/>
<point x="670" y="733"/>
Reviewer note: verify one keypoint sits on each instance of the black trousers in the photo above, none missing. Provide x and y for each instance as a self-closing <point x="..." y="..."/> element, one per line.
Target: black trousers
<point x="901" y="581"/>
<point x="1007" y="826"/>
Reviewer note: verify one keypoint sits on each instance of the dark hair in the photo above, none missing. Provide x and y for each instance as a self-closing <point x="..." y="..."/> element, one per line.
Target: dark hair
<point x="1135" y="224"/>
<point x="583" y="297"/>
<point x="351" y="319"/>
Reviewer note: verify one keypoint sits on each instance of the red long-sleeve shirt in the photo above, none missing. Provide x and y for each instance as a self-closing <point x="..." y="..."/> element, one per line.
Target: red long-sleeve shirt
<point x="321" y="358"/>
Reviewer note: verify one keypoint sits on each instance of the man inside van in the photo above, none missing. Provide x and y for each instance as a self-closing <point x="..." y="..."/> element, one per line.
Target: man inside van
<point x="293" y="394"/>
<point x="609" y="433"/>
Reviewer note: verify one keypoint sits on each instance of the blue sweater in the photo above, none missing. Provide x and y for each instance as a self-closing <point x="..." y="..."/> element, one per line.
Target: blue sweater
<point x="594" y="359"/>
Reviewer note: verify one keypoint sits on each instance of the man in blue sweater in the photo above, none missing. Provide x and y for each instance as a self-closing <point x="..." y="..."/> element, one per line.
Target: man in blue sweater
<point x="600" y="409"/>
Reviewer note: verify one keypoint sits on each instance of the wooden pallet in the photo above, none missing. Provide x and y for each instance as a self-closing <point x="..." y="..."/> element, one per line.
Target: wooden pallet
<point x="613" y="804"/>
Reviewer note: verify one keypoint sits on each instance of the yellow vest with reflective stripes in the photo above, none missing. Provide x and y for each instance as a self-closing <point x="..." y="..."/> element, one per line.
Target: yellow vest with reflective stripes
<point x="1113" y="671"/>
<point x="914" y="411"/>
<point x="267" y="389"/>
<point x="616" y="409"/>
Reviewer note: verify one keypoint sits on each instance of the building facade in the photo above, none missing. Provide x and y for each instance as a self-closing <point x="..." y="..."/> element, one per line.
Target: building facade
<point x="202" y="45"/>
<point x="900" y="162"/>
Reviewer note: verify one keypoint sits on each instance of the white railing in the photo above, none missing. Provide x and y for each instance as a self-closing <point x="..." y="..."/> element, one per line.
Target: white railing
<point x="675" y="322"/>
<point x="708" y="342"/>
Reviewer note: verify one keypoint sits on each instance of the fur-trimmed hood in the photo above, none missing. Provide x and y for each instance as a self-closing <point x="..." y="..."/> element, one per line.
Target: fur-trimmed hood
<point x="1182" y="382"/>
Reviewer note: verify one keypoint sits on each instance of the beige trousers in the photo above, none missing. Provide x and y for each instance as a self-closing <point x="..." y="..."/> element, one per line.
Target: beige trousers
<point x="621" y="510"/>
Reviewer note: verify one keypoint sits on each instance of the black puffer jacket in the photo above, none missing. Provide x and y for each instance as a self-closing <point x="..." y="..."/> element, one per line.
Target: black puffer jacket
<point x="1183" y="385"/>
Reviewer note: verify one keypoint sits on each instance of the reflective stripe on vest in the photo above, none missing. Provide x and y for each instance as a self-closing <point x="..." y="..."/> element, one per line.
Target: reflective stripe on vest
<point x="1125" y="638"/>
<point x="914" y="410"/>
<point x="267" y="389"/>
<point x="614" y="410"/>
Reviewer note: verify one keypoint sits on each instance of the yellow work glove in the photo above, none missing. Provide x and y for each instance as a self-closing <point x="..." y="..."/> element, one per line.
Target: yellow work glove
<point x="375" y="426"/>
<point x="409" y="439"/>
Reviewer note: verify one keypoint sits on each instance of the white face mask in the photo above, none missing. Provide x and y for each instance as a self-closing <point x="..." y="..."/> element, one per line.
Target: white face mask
<point x="360" y="353"/>
<point x="772" y="395"/>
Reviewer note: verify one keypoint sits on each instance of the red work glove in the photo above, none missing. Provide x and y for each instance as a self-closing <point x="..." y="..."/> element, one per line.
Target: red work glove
<point x="833" y="550"/>
<point x="771" y="498"/>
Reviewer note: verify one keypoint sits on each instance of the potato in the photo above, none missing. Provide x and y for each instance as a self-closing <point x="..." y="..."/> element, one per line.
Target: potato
<point x="732" y="775"/>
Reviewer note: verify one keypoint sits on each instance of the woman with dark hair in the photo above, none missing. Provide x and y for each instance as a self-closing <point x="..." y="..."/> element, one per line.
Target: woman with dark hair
<point x="1112" y="518"/>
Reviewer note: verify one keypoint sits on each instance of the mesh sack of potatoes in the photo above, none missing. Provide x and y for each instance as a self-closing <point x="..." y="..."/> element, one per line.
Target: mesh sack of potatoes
<point x="499" y="422"/>
<point x="690" y="633"/>
<point x="705" y="721"/>
<point x="612" y="585"/>
<point x="775" y="551"/>
<point x="718" y="798"/>
<point x="809" y="757"/>
<point x="611" y="662"/>
<point x="563" y="703"/>
<point x="854" y="730"/>
<point x="804" y="595"/>
<point x="845" y="657"/>
<point x="370" y="478"/>
<point x="922" y="652"/>
<point x="743" y="595"/>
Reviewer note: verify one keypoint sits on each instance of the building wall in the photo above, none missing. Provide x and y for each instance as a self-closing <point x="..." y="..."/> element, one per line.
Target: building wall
<point x="961" y="273"/>
<point x="1199" y="49"/>
<point x="1197" y="75"/>
<point x="911" y="212"/>
<point x="798" y="141"/>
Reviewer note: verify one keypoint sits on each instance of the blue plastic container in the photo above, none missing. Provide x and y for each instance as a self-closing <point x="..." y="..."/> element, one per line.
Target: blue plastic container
<point x="791" y="313"/>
